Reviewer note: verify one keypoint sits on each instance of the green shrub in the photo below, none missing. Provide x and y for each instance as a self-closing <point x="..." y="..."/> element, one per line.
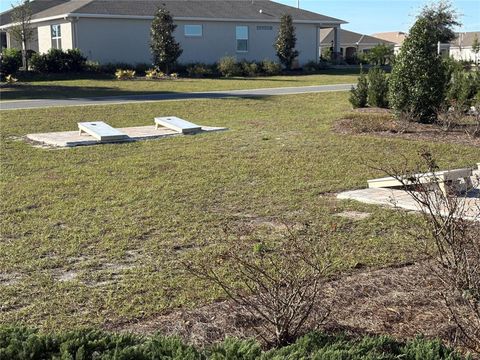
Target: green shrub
<point x="377" y="88"/>
<point x="10" y="61"/>
<point x="462" y="88"/>
<point x="271" y="68"/>
<point x="311" y="67"/>
<point x="198" y="70"/>
<point x="250" y="68"/>
<point x="228" y="67"/>
<point x="359" y="94"/>
<point x="59" y="61"/>
<point x="18" y="343"/>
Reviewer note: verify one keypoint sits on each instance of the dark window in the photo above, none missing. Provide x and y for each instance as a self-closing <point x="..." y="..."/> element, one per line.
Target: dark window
<point x="242" y="38"/>
<point x="56" y="31"/>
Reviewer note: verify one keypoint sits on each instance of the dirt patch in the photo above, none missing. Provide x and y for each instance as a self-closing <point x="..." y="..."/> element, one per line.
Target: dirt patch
<point x="8" y="279"/>
<point x="381" y="122"/>
<point x="399" y="301"/>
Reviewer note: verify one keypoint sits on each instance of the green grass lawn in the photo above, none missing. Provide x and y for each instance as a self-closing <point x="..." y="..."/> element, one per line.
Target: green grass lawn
<point x="58" y="87"/>
<point x="113" y="221"/>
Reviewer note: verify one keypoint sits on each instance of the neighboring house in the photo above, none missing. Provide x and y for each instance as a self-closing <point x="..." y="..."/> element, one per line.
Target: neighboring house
<point x="461" y="47"/>
<point x="396" y="37"/>
<point x="351" y="43"/>
<point x="113" y="31"/>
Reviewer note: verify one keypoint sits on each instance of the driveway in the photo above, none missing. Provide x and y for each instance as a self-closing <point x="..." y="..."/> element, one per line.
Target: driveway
<point x="127" y="99"/>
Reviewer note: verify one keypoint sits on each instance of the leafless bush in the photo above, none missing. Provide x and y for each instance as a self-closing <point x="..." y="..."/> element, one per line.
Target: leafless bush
<point x="278" y="281"/>
<point x="452" y="237"/>
<point x="474" y="130"/>
<point x="450" y="117"/>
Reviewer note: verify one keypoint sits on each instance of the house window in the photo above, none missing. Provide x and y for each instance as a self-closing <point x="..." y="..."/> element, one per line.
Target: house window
<point x="193" y="30"/>
<point x="264" y="27"/>
<point x="56" y="36"/>
<point x="242" y="38"/>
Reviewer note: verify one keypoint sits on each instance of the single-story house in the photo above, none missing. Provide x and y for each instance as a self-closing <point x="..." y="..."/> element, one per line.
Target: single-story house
<point x="396" y="37"/>
<point x="114" y="31"/>
<point x="351" y="43"/>
<point x="462" y="47"/>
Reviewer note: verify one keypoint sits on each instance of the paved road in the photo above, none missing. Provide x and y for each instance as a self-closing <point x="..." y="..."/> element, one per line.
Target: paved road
<point x="126" y="99"/>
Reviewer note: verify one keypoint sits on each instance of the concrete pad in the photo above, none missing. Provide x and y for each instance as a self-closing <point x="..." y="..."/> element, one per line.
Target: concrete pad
<point x="401" y="199"/>
<point x="68" y="139"/>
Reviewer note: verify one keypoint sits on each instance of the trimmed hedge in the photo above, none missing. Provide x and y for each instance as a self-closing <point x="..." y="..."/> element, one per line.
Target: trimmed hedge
<point x="22" y="343"/>
<point x="59" y="61"/>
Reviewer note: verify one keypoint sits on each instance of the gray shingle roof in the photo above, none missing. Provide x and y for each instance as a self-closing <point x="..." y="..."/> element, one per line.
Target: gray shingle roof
<point x="37" y="6"/>
<point x="465" y="38"/>
<point x="205" y="9"/>
<point x="350" y="37"/>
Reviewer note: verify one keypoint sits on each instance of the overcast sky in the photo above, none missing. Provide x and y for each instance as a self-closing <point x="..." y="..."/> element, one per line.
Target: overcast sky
<point x="370" y="16"/>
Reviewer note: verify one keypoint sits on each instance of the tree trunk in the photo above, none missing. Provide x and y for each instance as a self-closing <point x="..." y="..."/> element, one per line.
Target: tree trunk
<point x="24" y="54"/>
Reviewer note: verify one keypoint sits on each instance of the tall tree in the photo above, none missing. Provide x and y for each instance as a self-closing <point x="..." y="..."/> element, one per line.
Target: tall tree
<point x="286" y="41"/>
<point x="21" y="30"/>
<point x="419" y="80"/>
<point x="165" y="49"/>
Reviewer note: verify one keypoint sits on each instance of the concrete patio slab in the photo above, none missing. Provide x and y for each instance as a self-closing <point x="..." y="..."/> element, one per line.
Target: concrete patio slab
<point x="402" y="200"/>
<point x="66" y="139"/>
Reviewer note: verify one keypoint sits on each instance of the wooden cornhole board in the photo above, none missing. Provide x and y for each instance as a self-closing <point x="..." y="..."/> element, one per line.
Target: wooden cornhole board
<point x="101" y="131"/>
<point x="444" y="179"/>
<point x="176" y="124"/>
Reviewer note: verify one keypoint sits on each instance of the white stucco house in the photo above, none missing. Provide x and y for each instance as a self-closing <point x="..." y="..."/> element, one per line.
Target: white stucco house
<point x="113" y="31"/>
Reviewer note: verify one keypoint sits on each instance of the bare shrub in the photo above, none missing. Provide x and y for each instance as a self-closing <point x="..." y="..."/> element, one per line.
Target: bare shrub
<point x="451" y="236"/>
<point x="449" y="118"/>
<point x="278" y="281"/>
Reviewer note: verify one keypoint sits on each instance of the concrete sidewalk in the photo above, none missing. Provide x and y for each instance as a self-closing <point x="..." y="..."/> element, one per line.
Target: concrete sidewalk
<point x="127" y="99"/>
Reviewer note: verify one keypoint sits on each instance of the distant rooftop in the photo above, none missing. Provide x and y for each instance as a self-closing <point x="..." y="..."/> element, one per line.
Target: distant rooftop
<point x="350" y="37"/>
<point x="465" y="38"/>
<point x="396" y="37"/>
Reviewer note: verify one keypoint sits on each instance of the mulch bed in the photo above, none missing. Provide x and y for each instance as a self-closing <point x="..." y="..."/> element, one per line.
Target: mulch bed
<point x="402" y="302"/>
<point x="410" y="131"/>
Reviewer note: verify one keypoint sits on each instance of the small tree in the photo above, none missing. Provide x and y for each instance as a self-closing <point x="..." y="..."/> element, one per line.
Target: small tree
<point x="380" y="55"/>
<point x="418" y="82"/>
<point x="359" y="94"/>
<point x="286" y="41"/>
<point x="165" y="49"/>
<point x="377" y="88"/>
<point x="22" y="31"/>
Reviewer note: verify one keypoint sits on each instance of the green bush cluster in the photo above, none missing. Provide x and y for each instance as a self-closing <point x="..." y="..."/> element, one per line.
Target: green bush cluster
<point x="229" y="66"/>
<point x="20" y="343"/>
<point x="58" y="61"/>
<point x="371" y="90"/>
<point x="10" y="61"/>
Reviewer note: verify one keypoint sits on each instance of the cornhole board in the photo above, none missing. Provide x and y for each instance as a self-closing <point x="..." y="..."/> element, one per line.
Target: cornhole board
<point x="444" y="179"/>
<point x="101" y="131"/>
<point x="177" y="124"/>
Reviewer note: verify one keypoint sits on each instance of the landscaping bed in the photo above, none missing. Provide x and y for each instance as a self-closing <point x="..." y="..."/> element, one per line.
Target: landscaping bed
<point x="381" y="122"/>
